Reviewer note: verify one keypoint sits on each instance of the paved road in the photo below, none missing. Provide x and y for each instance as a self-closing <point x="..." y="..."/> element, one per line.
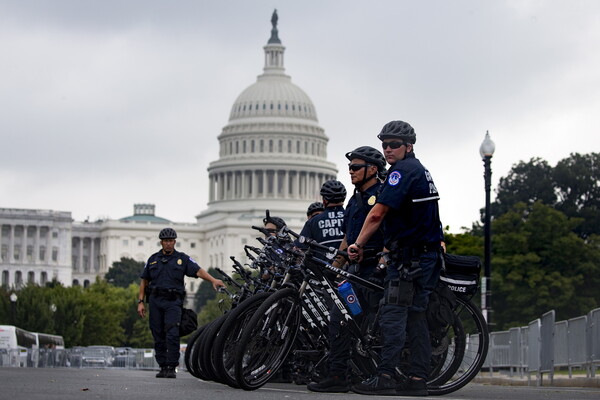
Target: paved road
<point x="70" y="383"/>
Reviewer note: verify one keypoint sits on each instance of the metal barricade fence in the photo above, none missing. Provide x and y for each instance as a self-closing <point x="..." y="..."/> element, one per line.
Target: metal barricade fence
<point x="533" y="338"/>
<point x="577" y="348"/>
<point x="514" y="351"/>
<point x="547" y="345"/>
<point x="594" y="340"/>
<point x="561" y="352"/>
<point x="499" y="351"/>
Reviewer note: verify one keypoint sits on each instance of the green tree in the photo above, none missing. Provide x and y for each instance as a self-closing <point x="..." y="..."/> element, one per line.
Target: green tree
<point x="466" y="243"/>
<point x="205" y="291"/>
<point x="526" y="182"/>
<point x="105" y="309"/>
<point x="213" y="309"/>
<point x="539" y="264"/>
<point x="125" y="272"/>
<point x="578" y="186"/>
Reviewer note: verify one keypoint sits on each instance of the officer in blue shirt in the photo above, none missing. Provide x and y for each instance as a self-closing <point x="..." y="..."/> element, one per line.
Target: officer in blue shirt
<point x="163" y="281"/>
<point x="408" y="209"/>
<point x="313" y="209"/>
<point x="367" y="166"/>
<point x="326" y="228"/>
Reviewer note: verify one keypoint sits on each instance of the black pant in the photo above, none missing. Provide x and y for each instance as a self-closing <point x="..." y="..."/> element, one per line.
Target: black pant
<point x="165" y="316"/>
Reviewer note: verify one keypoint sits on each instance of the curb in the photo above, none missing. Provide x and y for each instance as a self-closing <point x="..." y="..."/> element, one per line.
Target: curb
<point x="582" y="382"/>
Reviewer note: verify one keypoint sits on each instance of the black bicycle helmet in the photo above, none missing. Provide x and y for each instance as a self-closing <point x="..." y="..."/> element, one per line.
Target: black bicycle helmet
<point x="167" y="233"/>
<point x="314" y="207"/>
<point x="278" y="222"/>
<point x="398" y="130"/>
<point x="333" y="191"/>
<point x="369" y="155"/>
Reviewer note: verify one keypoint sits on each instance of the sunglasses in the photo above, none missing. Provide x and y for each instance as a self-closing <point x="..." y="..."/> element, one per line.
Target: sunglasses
<point x="357" y="167"/>
<point x="394" y="145"/>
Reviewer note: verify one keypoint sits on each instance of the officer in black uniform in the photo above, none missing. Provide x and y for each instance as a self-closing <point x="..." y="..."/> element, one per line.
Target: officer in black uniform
<point x="367" y="166"/>
<point x="408" y="207"/>
<point x="163" y="281"/>
<point x="326" y="228"/>
<point x="314" y="209"/>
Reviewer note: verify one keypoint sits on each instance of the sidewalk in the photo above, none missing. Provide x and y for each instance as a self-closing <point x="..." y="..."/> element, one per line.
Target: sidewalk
<point x="559" y="380"/>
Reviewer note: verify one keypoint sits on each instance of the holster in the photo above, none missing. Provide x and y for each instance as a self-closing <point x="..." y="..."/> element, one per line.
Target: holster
<point x="399" y="292"/>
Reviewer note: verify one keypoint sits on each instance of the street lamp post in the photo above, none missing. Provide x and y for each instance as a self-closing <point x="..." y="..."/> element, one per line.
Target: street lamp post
<point x="13" y="307"/>
<point x="486" y="150"/>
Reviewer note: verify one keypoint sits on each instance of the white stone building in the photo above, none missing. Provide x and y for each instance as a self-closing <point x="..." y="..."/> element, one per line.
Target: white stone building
<point x="273" y="155"/>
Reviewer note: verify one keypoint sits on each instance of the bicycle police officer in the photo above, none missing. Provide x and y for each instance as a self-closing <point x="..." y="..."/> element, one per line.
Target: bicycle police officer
<point x="408" y="207"/>
<point x="367" y="166"/>
<point x="326" y="228"/>
<point x="314" y="209"/>
<point x="163" y="280"/>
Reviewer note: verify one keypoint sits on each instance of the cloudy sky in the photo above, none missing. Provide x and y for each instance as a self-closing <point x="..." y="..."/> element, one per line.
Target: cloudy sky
<point x="104" y="104"/>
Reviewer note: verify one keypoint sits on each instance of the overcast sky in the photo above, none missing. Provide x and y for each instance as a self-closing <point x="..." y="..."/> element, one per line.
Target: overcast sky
<point x="104" y="104"/>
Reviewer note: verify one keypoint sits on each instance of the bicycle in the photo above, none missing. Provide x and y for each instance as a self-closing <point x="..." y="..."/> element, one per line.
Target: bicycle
<point x="459" y="351"/>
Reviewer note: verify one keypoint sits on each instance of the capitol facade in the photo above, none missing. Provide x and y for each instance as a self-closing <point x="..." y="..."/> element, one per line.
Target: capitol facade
<point x="273" y="156"/>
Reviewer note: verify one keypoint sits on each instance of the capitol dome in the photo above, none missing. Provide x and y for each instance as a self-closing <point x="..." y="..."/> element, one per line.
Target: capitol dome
<point x="272" y="152"/>
<point x="273" y="95"/>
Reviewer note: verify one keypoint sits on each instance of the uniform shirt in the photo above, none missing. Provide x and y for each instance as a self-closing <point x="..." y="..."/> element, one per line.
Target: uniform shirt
<point x="414" y="217"/>
<point x="355" y="215"/>
<point x="168" y="271"/>
<point x="325" y="229"/>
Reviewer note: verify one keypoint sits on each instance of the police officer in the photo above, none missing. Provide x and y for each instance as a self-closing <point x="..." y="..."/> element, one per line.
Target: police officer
<point x="162" y="280"/>
<point x="408" y="207"/>
<point x="326" y="228"/>
<point x="314" y="209"/>
<point x="366" y="167"/>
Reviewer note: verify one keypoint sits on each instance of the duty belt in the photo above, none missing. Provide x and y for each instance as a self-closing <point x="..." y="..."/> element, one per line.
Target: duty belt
<point x="169" y="293"/>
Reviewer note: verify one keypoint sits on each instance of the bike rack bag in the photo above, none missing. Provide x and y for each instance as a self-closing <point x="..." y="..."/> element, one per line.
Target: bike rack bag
<point x="461" y="273"/>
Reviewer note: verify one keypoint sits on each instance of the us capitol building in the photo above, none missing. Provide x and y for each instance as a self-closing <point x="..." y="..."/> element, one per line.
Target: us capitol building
<point x="273" y="155"/>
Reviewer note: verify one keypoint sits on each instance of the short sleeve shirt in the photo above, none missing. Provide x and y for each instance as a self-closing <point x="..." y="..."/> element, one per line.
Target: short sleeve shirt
<point x="325" y="228"/>
<point x="355" y="214"/>
<point x="168" y="271"/>
<point x="413" y="198"/>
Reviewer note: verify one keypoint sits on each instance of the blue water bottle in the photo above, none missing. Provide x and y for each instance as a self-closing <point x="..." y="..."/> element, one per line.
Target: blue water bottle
<point x="347" y="292"/>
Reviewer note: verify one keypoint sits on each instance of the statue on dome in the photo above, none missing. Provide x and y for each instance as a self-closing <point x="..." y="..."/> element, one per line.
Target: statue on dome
<point x="274" y="34"/>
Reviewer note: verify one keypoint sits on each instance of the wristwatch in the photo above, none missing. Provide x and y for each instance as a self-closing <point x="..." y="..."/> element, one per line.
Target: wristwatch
<point x="140" y="301"/>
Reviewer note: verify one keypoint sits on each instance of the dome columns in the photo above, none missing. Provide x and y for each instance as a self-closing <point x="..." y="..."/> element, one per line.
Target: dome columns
<point x="266" y="184"/>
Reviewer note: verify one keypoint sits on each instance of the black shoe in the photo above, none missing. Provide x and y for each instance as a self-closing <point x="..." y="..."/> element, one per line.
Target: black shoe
<point x="170" y="373"/>
<point x="377" y="384"/>
<point x="332" y="384"/>
<point x="412" y="387"/>
<point x="162" y="373"/>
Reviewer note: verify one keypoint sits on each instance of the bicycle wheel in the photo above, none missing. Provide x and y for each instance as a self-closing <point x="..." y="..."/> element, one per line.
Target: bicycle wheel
<point x="197" y="368"/>
<point x="466" y="346"/>
<point x="192" y="352"/>
<point x="223" y="349"/>
<point x="192" y="340"/>
<point x="267" y="339"/>
<point x="204" y="352"/>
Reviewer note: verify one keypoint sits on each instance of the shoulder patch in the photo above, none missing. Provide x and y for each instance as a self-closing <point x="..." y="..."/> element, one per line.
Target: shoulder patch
<point x="192" y="260"/>
<point x="394" y="178"/>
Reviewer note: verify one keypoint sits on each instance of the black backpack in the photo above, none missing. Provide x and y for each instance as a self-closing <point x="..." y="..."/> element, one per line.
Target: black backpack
<point x="189" y="322"/>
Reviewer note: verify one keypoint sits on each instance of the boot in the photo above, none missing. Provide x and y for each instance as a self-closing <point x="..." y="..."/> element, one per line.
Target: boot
<point x="162" y="373"/>
<point x="170" y="373"/>
<point x="332" y="384"/>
